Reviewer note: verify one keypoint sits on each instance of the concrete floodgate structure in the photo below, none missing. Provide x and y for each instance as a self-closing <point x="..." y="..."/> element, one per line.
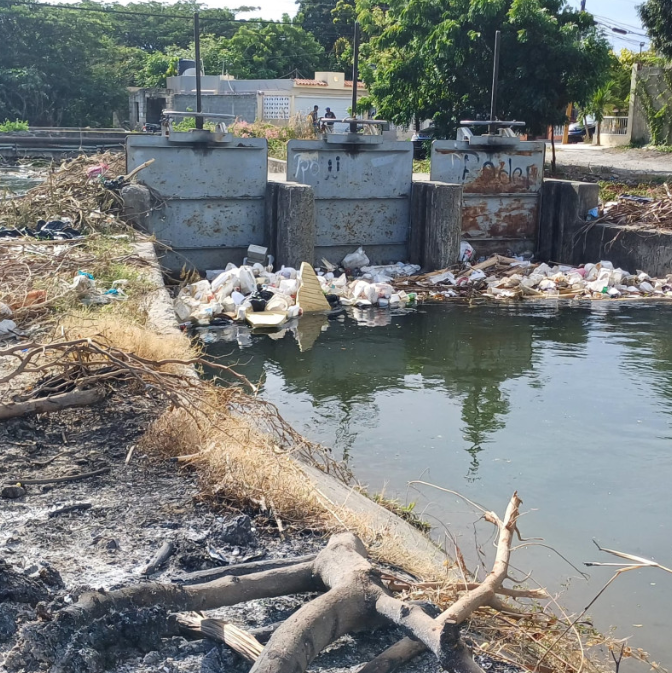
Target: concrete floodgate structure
<point x="210" y="200"/>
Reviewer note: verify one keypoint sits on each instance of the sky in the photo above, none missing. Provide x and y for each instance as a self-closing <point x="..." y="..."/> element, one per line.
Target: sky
<point x="618" y="13"/>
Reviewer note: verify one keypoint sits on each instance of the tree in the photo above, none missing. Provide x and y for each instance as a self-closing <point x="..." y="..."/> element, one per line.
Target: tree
<point x="59" y="67"/>
<point x="271" y="51"/>
<point x="315" y="17"/>
<point x="656" y="16"/>
<point x="601" y="101"/>
<point x="158" y="26"/>
<point x="433" y="58"/>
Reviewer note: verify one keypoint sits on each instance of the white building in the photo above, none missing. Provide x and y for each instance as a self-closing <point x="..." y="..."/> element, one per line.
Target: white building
<point x="274" y="100"/>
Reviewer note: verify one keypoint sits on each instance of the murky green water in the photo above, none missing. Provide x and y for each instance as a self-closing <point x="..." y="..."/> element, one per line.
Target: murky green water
<point x="569" y="405"/>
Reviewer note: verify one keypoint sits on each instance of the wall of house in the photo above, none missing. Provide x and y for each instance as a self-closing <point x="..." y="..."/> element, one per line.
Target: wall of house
<point x="243" y="106"/>
<point x="138" y="104"/>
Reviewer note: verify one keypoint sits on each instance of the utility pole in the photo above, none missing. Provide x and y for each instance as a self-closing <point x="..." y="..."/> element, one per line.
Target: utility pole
<point x="355" y="77"/>
<point x="495" y="80"/>
<point x="197" y="49"/>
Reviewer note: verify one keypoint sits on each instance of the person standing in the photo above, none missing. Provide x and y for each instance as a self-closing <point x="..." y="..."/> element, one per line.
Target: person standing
<point x="314" y="117"/>
<point x="329" y="126"/>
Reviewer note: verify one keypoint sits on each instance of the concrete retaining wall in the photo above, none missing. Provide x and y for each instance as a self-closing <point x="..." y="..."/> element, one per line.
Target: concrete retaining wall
<point x="565" y="236"/>
<point x="564" y="209"/>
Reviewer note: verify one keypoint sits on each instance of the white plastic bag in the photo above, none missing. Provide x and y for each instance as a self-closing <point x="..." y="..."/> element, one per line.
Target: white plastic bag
<point x="355" y="260"/>
<point x="466" y="252"/>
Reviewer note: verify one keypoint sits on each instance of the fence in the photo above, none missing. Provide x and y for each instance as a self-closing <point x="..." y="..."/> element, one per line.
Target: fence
<point x="615" y="126"/>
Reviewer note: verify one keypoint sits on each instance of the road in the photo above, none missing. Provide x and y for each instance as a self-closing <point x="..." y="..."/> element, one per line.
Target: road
<point x="606" y="160"/>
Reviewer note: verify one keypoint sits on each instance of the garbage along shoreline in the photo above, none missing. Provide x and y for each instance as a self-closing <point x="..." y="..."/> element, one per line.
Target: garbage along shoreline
<point x="262" y="297"/>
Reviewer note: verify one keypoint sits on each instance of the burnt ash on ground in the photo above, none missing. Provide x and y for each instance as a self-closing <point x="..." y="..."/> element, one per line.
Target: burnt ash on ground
<point x="50" y="555"/>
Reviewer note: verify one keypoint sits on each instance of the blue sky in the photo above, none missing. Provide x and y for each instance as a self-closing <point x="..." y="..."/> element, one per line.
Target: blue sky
<point x="620" y="13"/>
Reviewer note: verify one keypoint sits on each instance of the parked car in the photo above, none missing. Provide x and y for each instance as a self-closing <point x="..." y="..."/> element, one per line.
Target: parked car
<point x="151" y="128"/>
<point x="421" y="141"/>
<point x="577" y="132"/>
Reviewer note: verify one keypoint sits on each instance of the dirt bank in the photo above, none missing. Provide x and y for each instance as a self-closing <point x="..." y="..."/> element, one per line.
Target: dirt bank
<point x="124" y="516"/>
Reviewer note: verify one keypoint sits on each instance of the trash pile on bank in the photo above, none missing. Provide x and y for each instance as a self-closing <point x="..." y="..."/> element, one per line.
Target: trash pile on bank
<point x="508" y="278"/>
<point x="639" y="211"/>
<point x="262" y="297"/>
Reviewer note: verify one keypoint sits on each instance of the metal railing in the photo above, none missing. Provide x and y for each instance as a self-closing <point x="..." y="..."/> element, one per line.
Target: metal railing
<point x="615" y="126"/>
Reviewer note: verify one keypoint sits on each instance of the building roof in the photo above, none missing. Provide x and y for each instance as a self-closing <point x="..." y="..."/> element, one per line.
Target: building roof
<point x="360" y="85"/>
<point x="310" y="82"/>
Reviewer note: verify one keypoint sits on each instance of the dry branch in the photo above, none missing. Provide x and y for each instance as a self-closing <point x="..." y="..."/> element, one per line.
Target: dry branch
<point x="76" y="398"/>
<point x="161" y="556"/>
<point x="221" y="632"/>
<point x="482" y="595"/>
<point x="60" y="480"/>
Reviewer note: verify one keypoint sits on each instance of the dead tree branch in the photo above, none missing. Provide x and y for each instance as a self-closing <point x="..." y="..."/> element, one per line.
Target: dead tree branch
<point x="482" y="595"/>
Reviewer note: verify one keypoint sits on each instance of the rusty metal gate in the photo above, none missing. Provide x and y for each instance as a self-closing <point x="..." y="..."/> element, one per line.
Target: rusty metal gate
<point x="213" y="197"/>
<point x="501" y="178"/>
<point x="362" y="194"/>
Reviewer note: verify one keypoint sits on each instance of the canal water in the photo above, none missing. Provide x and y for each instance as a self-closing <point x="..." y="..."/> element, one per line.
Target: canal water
<point x="17" y="180"/>
<point x="570" y="405"/>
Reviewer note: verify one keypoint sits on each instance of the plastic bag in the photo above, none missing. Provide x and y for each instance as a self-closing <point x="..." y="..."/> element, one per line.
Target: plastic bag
<point x="355" y="260"/>
<point x="279" y="302"/>
<point x="466" y="252"/>
<point x="289" y="287"/>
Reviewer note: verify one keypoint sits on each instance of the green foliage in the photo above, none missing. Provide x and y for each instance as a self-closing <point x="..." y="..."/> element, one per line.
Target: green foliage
<point x="433" y="58"/>
<point x="277" y="137"/>
<point x="406" y="512"/>
<point x="330" y="22"/>
<point x="57" y="67"/>
<point x="271" y="51"/>
<point x="656" y="17"/>
<point x="9" y="126"/>
<point x="654" y="94"/>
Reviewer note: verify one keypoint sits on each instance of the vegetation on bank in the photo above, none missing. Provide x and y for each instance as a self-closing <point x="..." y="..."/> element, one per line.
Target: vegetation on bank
<point x="17" y="125"/>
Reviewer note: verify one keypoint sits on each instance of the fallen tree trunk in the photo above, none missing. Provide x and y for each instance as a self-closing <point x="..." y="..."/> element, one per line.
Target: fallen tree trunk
<point x="45" y="405"/>
<point x="352" y="598"/>
<point x="484" y="594"/>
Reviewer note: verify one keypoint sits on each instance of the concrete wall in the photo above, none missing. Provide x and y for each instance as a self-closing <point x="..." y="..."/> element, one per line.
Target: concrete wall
<point x="243" y="106"/>
<point x="565" y="236"/>
<point x="138" y="103"/>
<point x="216" y="200"/>
<point x="651" y="84"/>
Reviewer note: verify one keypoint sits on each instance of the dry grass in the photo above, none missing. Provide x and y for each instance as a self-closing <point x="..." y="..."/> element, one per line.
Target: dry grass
<point x="67" y="192"/>
<point x="129" y="337"/>
<point x="35" y="276"/>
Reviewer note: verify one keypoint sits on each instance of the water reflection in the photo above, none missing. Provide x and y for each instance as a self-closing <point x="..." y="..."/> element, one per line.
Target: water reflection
<point x="343" y="366"/>
<point x="567" y="403"/>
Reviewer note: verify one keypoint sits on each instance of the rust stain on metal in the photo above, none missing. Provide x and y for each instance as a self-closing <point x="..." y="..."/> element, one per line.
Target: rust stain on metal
<point x="509" y="220"/>
<point x="498" y="180"/>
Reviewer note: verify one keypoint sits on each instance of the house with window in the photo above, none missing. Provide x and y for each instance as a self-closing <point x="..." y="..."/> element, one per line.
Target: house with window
<point x="274" y="100"/>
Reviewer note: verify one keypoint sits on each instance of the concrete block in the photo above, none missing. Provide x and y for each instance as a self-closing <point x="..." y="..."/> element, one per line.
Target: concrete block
<point x="564" y="208"/>
<point x="294" y="223"/>
<point x="137" y="205"/>
<point x="436" y="224"/>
